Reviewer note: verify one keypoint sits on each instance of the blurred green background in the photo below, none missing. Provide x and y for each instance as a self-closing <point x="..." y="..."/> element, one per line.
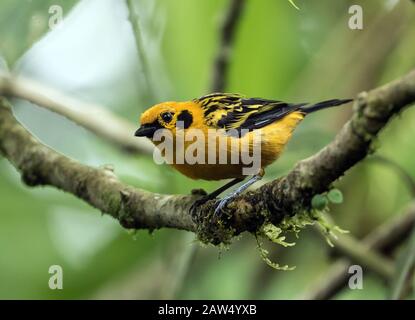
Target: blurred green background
<point x="279" y="53"/>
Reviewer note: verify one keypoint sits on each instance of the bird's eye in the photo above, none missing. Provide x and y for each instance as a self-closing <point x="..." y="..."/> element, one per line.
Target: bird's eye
<point x="167" y="117"/>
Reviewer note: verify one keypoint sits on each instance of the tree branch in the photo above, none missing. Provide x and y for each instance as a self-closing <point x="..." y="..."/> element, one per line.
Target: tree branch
<point x="135" y="208"/>
<point x="360" y="253"/>
<point x="39" y="165"/>
<point x="92" y="117"/>
<point x="383" y="239"/>
<point x="227" y="33"/>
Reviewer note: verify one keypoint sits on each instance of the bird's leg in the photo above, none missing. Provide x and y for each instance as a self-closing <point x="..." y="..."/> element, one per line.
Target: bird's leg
<point x="238" y="191"/>
<point x="225" y="187"/>
<point x="214" y="194"/>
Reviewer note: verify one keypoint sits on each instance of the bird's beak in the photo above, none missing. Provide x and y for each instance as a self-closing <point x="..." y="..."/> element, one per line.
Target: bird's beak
<point x="146" y="130"/>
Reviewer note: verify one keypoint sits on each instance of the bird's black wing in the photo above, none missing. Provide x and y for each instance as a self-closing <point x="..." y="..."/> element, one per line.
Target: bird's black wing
<point x="232" y="111"/>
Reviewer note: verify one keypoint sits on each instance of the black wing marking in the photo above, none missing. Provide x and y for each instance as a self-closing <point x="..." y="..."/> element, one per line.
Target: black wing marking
<point x="267" y="112"/>
<point x="232" y="111"/>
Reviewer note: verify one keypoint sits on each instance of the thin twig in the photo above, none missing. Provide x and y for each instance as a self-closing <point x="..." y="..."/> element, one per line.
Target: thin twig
<point x="404" y="269"/>
<point x="227" y="37"/>
<point x="402" y="173"/>
<point x="138" y="36"/>
<point x="360" y="253"/>
<point x="383" y="239"/>
<point x="94" y="118"/>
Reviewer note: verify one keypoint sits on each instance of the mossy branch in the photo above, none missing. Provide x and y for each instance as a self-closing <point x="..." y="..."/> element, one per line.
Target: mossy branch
<point x="138" y="209"/>
<point x="40" y="165"/>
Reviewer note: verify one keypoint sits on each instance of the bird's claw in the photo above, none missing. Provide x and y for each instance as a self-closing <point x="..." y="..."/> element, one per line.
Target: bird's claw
<point x="221" y="205"/>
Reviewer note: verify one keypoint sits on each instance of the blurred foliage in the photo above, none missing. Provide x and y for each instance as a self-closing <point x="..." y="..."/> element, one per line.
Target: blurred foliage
<point x="280" y="52"/>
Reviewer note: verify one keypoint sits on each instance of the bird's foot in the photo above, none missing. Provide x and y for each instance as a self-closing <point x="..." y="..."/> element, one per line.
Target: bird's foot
<point x="225" y="201"/>
<point x="221" y="205"/>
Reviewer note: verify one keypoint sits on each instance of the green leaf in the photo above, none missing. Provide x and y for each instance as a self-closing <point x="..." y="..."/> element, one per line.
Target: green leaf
<point x="319" y="202"/>
<point x="335" y="196"/>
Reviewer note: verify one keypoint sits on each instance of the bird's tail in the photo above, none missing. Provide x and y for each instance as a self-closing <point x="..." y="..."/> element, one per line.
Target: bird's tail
<point x="324" y="104"/>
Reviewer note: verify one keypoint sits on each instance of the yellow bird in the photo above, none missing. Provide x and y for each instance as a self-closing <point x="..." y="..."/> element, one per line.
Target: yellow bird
<point x="258" y="124"/>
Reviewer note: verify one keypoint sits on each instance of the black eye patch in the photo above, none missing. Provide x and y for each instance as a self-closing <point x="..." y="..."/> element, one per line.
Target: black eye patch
<point x="167" y="117"/>
<point x="186" y="117"/>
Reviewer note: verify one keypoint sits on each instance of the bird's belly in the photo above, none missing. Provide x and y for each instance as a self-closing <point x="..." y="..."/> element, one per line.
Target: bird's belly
<point x="234" y="167"/>
<point x="272" y="140"/>
<point x="210" y="171"/>
<point x="228" y="170"/>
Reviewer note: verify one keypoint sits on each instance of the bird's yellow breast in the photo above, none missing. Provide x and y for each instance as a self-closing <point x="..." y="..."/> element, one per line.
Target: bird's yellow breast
<point x="272" y="139"/>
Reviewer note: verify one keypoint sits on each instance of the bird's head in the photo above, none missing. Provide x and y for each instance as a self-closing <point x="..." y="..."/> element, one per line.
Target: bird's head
<point x="166" y="115"/>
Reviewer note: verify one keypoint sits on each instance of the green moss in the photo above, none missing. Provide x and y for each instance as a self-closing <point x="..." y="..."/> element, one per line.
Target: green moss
<point x="277" y="233"/>
<point x="216" y="231"/>
<point x="264" y="255"/>
<point x="274" y="234"/>
<point x="329" y="228"/>
<point x="213" y="230"/>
